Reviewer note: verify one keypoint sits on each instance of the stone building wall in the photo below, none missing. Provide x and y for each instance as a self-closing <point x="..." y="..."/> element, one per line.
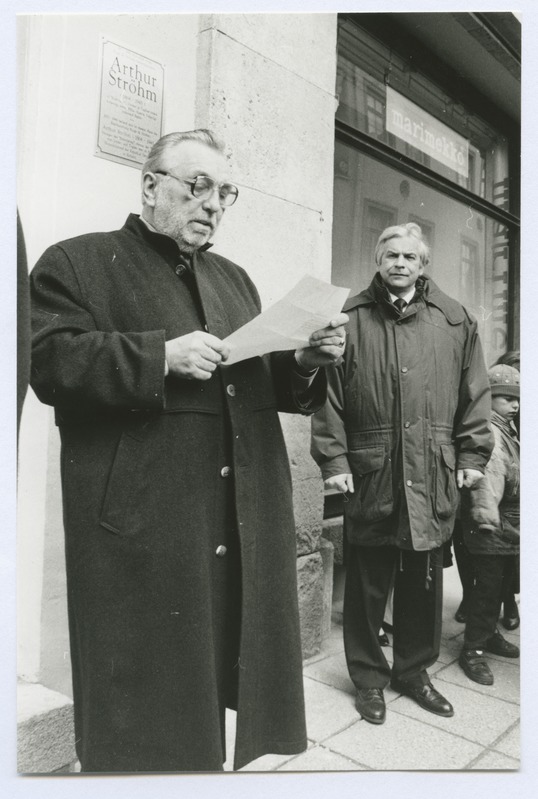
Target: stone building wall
<point x="266" y="84"/>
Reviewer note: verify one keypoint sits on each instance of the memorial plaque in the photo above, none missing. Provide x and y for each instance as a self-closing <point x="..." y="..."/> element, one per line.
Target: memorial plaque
<point x="130" y="104"/>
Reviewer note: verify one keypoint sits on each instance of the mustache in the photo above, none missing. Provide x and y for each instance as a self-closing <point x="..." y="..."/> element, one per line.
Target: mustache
<point x="203" y="221"/>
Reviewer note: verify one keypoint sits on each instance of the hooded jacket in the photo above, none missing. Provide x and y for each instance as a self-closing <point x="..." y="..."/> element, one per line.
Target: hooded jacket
<point x="407" y="406"/>
<point x="491" y="508"/>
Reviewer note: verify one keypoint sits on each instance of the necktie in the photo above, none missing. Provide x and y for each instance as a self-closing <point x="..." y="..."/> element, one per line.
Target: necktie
<point x="400" y="304"/>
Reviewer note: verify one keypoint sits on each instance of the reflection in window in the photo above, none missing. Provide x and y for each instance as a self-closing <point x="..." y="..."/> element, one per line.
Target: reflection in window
<point x="469" y="269"/>
<point x="428" y="232"/>
<point x="375" y="113"/>
<point x="376" y="219"/>
<point x="366" y="66"/>
<point x="469" y="250"/>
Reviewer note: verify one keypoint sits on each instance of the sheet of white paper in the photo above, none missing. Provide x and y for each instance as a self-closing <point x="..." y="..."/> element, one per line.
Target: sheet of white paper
<point x="289" y="323"/>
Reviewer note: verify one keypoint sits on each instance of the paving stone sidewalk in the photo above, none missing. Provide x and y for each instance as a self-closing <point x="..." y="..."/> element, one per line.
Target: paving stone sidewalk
<point x="483" y="734"/>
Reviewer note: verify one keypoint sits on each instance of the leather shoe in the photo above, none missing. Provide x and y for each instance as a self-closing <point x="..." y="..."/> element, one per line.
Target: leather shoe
<point x="461" y="613"/>
<point x="510" y="618"/>
<point x="370" y="703"/>
<point x="475" y="666"/>
<point x="426" y="696"/>
<point x="500" y="646"/>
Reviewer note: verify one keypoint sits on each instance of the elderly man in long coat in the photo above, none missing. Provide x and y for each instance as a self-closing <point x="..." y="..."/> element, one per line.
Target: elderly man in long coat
<point x="406" y="422"/>
<point x="180" y="538"/>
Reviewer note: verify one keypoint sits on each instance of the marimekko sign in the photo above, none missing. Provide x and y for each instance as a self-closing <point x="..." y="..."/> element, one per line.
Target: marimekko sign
<point x="130" y="104"/>
<point x="423" y="131"/>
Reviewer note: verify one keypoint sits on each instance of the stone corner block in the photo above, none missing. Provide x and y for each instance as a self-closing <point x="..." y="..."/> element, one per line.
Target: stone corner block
<point x="333" y="531"/>
<point x="308" y="512"/>
<point x="315" y="584"/>
<point x="310" y="590"/>
<point x="45" y="731"/>
<point x="326" y="550"/>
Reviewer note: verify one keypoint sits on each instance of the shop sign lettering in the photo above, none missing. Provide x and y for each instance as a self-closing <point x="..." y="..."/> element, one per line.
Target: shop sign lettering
<point x="421" y="130"/>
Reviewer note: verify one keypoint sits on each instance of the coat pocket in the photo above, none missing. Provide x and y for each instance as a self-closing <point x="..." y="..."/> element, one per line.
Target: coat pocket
<point x="510" y="525"/>
<point x="372" y="474"/>
<point x="121" y="512"/>
<point x="446" y="490"/>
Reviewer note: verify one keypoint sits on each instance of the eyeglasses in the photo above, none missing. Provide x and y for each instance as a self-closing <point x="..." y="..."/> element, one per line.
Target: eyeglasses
<point x="203" y="187"/>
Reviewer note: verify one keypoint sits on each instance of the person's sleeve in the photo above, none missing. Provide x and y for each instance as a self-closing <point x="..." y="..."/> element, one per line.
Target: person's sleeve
<point x="329" y="441"/>
<point x="295" y="392"/>
<point x="486" y="495"/>
<point x="472" y="429"/>
<point x="79" y="367"/>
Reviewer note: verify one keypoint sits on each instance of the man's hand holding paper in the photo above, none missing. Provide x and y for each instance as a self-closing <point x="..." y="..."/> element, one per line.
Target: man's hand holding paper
<point x="308" y="319"/>
<point x="325" y="345"/>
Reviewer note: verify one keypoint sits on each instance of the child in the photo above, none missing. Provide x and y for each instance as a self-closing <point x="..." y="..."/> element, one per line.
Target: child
<point x="490" y="514"/>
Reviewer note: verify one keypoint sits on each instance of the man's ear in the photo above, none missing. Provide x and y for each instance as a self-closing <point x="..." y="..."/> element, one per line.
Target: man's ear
<point x="149" y="184"/>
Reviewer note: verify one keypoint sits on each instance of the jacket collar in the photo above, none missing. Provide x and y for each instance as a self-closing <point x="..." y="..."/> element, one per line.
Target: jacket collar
<point x="426" y="289"/>
<point x="503" y="424"/>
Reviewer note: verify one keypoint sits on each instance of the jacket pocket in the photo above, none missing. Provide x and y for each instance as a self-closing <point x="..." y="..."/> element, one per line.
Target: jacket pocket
<point x="121" y="511"/>
<point x="372" y="475"/>
<point x="510" y="525"/>
<point x="446" y="490"/>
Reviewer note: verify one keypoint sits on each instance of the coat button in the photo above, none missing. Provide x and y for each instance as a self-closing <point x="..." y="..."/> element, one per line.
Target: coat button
<point x="220" y="551"/>
<point x="404" y="369"/>
<point x="225" y="471"/>
<point x="407" y="424"/>
<point x="231" y="390"/>
<point x="409" y="482"/>
<point x="180" y="269"/>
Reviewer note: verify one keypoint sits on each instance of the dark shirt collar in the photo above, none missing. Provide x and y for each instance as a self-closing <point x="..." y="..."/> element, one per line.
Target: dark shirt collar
<point x="165" y="245"/>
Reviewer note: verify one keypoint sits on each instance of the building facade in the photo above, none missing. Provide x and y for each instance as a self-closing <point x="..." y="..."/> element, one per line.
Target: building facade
<point x="337" y="126"/>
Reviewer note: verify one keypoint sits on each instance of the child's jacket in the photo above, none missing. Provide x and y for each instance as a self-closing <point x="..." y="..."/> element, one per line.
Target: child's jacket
<point x="491" y="508"/>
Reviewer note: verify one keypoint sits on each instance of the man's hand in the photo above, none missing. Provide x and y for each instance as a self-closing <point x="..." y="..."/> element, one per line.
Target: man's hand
<point x="195" y="356"/>
<point x="342" y="482"/>
<point x="325" y="346"/>
<point x="468" y="477"/>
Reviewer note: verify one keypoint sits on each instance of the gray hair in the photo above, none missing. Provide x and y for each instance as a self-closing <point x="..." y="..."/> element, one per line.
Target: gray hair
<point x="401" y="231"/>
<point x="165" y="143"/>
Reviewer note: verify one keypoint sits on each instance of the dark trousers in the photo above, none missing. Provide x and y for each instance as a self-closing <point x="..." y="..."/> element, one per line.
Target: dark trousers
<point x="484" y="601"/>
<point x="510" y="579"/>
<point x="464" y="561"/>
<point x="416" y="614"/>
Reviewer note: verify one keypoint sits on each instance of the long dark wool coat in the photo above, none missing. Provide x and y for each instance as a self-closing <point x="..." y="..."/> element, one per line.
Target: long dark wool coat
<point x="158" y="475"/>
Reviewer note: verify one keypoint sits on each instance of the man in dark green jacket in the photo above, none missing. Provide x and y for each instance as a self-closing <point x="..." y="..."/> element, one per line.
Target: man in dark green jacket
<point x="405" y="425"/>
<point x="181" y="567"/>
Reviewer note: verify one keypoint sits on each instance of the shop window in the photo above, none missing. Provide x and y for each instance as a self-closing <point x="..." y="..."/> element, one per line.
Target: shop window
<point x="395" y="110"/>
<point x="376" y="218"/>
<point x="428" y="231"/>
<point x="375" y="113"/>
<point x="469" y="268"/>
<point x="368" y="70"/>
<point x="469" y="249"/>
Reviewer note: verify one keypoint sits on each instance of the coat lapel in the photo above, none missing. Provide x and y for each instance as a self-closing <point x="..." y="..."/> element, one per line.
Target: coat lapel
<point x="222" y="319"/>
